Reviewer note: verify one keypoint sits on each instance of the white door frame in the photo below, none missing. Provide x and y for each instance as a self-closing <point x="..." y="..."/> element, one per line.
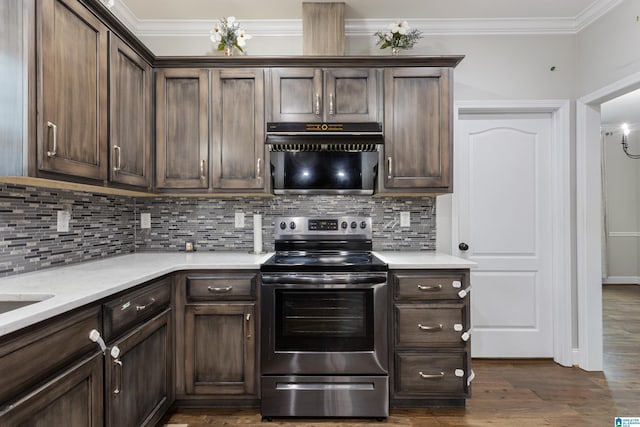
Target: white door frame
<point x="560" y="205"/>
<point x="588" y="219"/>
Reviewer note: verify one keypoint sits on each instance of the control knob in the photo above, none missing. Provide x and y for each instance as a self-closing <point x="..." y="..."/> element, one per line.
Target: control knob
<point x="363" y="224"/>
<point x="354" y="224"/>
<point x="344" y="225"/>
<point x="283" y="225"/>
<point x="292" y="225"/>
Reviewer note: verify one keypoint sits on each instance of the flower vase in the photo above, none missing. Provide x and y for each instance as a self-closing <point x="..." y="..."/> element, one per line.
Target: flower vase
<point x="228" y="51"/>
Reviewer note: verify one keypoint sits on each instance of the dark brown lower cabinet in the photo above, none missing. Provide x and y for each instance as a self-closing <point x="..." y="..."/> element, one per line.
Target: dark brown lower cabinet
<point x="139" y="380"/>
<point x="220" y="349"/>
<point x="71" y="399"/>
<point x="430" y="340"/>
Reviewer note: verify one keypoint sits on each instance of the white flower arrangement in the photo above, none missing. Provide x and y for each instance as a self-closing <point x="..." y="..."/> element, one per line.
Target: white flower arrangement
<point x="398" y="36"/>
<point x="228" y="34"/>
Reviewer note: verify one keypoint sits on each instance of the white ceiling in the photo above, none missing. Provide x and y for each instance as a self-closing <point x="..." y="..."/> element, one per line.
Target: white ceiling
<point x="364" y="9"/>
<point x="624" y="109"/>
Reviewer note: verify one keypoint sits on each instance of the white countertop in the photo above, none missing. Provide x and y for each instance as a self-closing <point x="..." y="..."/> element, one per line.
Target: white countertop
<point x="76" y="285"/>
<point x="73" y="286"/>
<point x="417" y="260"/>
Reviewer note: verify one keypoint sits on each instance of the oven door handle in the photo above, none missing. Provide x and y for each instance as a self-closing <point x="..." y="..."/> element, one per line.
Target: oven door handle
<point x="328" y="279"/>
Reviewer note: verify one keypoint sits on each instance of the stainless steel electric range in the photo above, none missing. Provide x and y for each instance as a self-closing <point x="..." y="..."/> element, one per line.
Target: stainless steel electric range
<point x="324" y="349"/>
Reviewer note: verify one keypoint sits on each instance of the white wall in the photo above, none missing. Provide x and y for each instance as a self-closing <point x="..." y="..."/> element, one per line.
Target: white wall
<point x="622" y="195"/>
<point x="495" y="67"/>
<point x="607" y="50"/>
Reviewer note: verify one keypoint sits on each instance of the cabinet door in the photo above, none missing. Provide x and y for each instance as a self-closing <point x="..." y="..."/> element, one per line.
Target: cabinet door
<point x="130" y="116"/>
<point x="351" y="95"/>
<point x="418" y="118"/>
<point x="138" y="385"/>
<point x="296" y="95"/>
<point x="237" y="99"/>
<point x="72" y="67"/>
<point x="220" y="349"/>
<point x="182" y="128"/>
<point x="71" y="399"/>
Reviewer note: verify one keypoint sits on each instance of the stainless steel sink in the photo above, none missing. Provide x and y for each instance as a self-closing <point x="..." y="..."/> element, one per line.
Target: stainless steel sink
<point x="9" y="302"/>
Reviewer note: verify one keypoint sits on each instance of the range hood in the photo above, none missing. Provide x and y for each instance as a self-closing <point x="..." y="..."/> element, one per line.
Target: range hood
<point x="324" y="158"/>
<point x="295" y="136"/>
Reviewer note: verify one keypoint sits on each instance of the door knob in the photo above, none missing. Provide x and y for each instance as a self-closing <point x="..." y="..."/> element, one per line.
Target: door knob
<point x="463" y="246"/>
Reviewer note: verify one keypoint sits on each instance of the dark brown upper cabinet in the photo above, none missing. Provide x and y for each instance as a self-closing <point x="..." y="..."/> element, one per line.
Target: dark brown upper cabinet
<point x="418" y="130"/>
<point x="237" y="127"/>
<point x="182" y="128"/>
<point x="131" y="116"/>
<point x="72" y="96"/>
<point x="325" y="95"/>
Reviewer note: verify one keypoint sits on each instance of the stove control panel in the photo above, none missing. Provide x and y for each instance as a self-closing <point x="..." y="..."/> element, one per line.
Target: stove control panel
<point x="323" y="226"/>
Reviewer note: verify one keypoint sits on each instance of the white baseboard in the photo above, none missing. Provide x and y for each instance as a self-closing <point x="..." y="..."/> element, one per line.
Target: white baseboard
<point x="621" y="280"/>
<point x="575" y="356"/>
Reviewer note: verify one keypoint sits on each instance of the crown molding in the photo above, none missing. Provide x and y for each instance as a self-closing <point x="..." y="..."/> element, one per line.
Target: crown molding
<point x="594" y="12"/>
<point x="126" y="16"/>
<point x="366" y="27"/>
<point x="468" y="26"/>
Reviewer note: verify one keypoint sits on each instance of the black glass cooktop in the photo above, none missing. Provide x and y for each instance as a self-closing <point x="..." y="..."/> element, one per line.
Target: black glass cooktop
<point x="323" y="261"/>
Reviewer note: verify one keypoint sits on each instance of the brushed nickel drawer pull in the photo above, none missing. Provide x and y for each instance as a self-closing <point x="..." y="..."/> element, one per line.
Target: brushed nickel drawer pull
<point x="118" y="388"/>
<point x="202" y="175"/>
<point x="431" y="376"/>
<point x="430" y="288"/>
<point x="331" y="112"/>
<point x="53" y="152"/>
<point x="258" y="168"/>
<point x="390" y="160"/>
<point x="219" y="290"/>
<point x="143" y="307"/>
<point x="430" y="328"/>
<point x="115" y="354"/>
<point x="317" y="112"/>
<point x="248" y="318"/>
<point x="118" y="159"/>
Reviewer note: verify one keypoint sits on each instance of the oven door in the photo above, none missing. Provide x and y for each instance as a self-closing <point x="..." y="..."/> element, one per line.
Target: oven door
<point x="318" y="324"/>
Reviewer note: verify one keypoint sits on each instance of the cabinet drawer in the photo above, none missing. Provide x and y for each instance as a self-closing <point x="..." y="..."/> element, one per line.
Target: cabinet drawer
<point x="428" y="286"/>
<point x="27" y="358"/>
<point x="133" y="307"/>
<point x="221" y="287"/>
<point x="441" y="374"/>
<point x="428" y="325"/>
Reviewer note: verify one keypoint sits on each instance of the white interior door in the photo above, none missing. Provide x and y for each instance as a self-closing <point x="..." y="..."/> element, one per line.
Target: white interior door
<point x="503" y="192"/>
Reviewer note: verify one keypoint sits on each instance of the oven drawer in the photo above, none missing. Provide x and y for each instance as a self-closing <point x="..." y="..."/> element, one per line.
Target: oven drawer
<point x="429" y="325"/>
<point x="325" y="396"/>
<point x="127" y="310"/>
<point x="428" y="285"/>
<point x="439" y="374"/>
<point x="221" y="287"/>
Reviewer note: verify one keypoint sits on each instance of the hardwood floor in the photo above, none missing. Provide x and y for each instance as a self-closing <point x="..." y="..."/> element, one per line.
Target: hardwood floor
<point x="517" y="393"/>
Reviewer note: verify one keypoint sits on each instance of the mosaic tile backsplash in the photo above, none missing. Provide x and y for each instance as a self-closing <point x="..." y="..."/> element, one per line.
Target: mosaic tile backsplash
<point x="209" y="223"/>
<point x="99" y="226"/>
<point x="102" y="226"/>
